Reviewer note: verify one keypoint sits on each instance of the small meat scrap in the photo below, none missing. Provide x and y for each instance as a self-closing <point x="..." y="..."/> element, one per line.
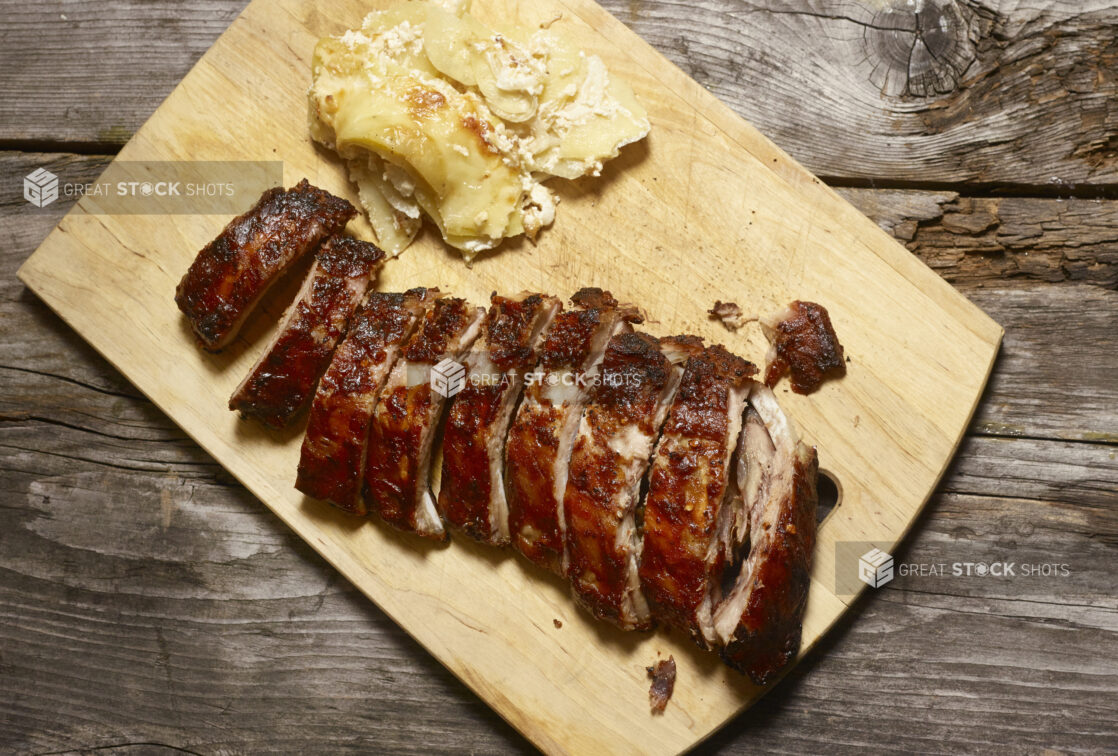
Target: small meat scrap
<point x="803" y="341"/>
<point x="730" y="314"/>
<point x="660" y="692"/>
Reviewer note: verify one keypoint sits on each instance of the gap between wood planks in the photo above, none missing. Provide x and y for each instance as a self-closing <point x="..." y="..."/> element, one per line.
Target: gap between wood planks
<point x="92" y="149"/>
<point x="1052" y="190"/>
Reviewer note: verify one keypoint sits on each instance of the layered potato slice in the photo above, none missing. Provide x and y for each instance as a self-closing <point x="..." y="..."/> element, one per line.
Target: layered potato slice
<point x="440" y="115"/>
<point x="395" y="217"/>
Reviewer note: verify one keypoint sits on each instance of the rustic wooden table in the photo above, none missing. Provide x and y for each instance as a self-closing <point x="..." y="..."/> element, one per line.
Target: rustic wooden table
<point x="149" y="602"/>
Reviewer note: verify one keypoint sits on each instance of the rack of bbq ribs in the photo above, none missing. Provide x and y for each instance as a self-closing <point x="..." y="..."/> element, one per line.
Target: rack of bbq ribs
<point x="655" y="474"/>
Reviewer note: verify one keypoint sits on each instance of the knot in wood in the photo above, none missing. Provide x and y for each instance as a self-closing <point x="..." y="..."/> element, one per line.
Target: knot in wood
<point x="919" y="48"/>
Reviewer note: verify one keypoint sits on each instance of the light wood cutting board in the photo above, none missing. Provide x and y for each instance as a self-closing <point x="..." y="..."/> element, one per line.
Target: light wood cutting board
<point x="705" y="209"/>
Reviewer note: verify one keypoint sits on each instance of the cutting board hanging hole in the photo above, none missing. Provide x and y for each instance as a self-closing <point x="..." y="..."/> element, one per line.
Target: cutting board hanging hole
<point x="830" y="494"/>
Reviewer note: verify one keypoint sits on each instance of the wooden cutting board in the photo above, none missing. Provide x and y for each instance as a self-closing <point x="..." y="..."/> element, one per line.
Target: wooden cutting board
<point x="705" y="209"/>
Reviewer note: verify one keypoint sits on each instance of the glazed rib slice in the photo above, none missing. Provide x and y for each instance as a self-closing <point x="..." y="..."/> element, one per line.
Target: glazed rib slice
<point x="232" y="273"/>
<point x="758" y="623"/>
<point x="283" y="380"/>
<point x="541" y="437"/>
<point x="638" y="380"/>
<point x="754" y="460"/>
<point x="472" y="496"/>
<point x="332" y="460"/>
<point x="404" y="423"/>
<point x="689" y="513"/>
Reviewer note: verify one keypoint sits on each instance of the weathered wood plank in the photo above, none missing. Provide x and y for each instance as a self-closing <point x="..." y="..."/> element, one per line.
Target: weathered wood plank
<point x="162" y="607"/>
<point x="1074" y="474"/>
<point x="1055" y="375"/>
<point x="979" y="241"/>
<point x="973" y="90"/>
<point x="977" y="90"/>
<point x="166" y="608"/>
<point x="90" y="73"/>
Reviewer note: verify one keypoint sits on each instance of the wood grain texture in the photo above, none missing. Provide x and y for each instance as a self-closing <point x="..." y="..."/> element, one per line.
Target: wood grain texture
<point x="181" y="646"/>
<point x="981" y="91"/>
<point x="1019" y="93"/>
<point x="924" y="666"/>
<point x="896" y="672"/>
<point x="1045" y="362"/>
<point x="923" y="352"/>
<point x="203" y="657"/>
<point x="88" y="73"/>
<point x="976" y="241"/>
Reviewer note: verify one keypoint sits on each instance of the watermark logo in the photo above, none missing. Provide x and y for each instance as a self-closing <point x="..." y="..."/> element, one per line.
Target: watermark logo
<point x="448" y="378"/>
<point x="875" y="568"/>
<point x="862" y="563"/>
<point x="164" y="187"/>
<point x="40" y="187"/>
<point x="475" y="370"/>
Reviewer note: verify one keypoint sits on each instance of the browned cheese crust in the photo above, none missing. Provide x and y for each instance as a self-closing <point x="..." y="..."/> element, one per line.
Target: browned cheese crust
<point x="232" y="273"/>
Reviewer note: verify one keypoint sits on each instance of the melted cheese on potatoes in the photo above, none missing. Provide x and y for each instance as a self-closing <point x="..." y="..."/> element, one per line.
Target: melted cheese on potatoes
<point x="439" y="114"/>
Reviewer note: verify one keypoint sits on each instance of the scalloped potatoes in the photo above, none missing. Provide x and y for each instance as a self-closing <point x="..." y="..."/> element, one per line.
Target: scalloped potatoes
<point x="439" y="115"/>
